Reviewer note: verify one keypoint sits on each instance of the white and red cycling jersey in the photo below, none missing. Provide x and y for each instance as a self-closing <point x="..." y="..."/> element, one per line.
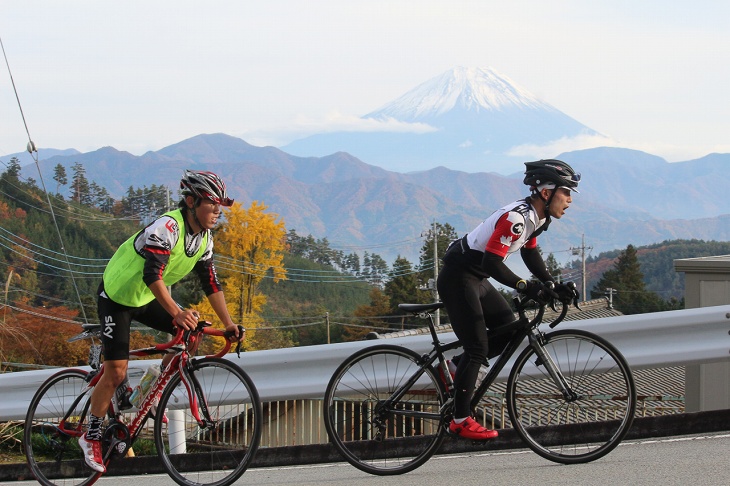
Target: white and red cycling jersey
<point x="156" y="241"/>
<point x="507" y="230"/>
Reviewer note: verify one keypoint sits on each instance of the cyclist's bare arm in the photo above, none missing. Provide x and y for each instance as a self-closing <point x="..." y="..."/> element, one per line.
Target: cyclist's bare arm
<point x="187" y="319"/>
<point x="218" y="302"/>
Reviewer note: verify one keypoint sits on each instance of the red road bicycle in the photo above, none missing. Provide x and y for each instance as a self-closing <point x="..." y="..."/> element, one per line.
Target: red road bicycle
<point x="210" y="437"/>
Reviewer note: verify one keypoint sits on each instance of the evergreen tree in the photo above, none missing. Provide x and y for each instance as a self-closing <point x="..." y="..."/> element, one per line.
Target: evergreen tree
<point x="445" y="234"/>
<point x="12" y="173"/>
<point x="59" y="175"/>
<point x="626" y="283"/>
<point x="553" y="267"/>
<point x="80" y="189"/>
<point x="403" y="286"/>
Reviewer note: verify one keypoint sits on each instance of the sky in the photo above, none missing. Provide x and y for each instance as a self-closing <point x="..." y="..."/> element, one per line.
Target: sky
<point x="650" y="75"/>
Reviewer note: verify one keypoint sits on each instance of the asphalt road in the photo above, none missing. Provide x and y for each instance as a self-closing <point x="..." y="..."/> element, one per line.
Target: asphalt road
<point x="699" y="460"/>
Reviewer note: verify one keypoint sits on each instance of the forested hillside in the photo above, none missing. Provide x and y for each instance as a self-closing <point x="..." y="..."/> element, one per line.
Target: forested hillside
<point x="45" y="280"/>
<point x="657" y="264"/>
<point x="30" y="243"/>
<point x="327" y="296"/>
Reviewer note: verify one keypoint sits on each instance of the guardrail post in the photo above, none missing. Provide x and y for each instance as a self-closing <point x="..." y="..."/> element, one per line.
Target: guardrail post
<point x="176" y="431"/>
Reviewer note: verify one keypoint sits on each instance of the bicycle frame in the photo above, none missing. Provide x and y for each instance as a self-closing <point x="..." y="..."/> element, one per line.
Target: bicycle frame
<point x="180" y="363"/>
<point x="522" y="327"/>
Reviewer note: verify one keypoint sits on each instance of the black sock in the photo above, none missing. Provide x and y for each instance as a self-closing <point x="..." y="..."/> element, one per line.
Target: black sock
<point x="94" y="432"/>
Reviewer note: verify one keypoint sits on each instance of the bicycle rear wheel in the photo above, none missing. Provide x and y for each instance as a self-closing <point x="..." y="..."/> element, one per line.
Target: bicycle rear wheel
<point x="51" y="444"/>
<point x="216" y="453"/>
<point x="586" y="426"/>
<point x="372" y="434"/>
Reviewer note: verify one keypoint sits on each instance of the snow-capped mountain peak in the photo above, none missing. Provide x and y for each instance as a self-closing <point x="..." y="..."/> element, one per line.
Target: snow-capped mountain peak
<point x="475" y="118"/>
<point x="472" y="89"/>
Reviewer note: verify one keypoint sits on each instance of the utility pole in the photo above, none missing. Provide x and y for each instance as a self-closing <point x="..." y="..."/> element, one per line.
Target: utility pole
<point x="581" y="250"/>
<point x="436" y="272"/>
<point x="609" y="292"/>
<point x="431" y="284"/>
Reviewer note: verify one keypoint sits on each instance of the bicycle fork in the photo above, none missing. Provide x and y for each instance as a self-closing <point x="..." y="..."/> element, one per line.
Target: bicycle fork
<point x="537" y="342"/>
<point x="196" y="398"/>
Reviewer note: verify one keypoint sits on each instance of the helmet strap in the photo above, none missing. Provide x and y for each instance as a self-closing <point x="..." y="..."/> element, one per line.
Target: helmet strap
<point x="547" y="202"/>
<point x="198" y="202"/>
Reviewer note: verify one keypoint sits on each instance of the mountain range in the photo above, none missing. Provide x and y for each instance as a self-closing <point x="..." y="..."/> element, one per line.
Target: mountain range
<point x="627" y="197"/>
<point x="449" y="160"/>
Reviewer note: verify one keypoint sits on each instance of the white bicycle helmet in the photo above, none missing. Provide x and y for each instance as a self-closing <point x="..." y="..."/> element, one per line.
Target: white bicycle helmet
<point x="205" y="185"/>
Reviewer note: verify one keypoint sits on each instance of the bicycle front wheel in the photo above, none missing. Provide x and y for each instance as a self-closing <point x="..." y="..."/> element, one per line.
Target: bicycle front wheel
<point x="50" y="441"/>
<point x="596" y="415"/>
<point x="217" y="450"/>
<point x="374" y="432"/>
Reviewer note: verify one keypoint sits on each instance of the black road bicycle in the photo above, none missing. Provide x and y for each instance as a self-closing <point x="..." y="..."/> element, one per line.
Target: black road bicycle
<point x="209" y="434"/>
<point x="570" y="394"/>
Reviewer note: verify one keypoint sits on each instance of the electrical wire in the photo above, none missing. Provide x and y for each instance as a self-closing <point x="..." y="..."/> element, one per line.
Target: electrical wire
<point x="32" y="150"/>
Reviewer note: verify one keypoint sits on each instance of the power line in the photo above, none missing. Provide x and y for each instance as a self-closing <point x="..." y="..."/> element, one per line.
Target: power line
<point x="32" y="150"/>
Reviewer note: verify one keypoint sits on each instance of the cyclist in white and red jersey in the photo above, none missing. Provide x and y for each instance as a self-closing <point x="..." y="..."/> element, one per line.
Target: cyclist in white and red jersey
<point x="134" y="287"/>
<point x="473" y="303"/>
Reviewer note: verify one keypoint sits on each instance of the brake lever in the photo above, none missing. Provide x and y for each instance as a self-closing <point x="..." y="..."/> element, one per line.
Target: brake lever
<point x="239" y="344"/>
<point x="575" y="300"/>
<point x="552" y="305"/>
<point x="576" y="294"/>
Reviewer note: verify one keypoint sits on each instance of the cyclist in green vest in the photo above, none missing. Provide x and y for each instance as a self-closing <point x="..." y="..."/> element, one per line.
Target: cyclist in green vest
<point x="135" y="282"/>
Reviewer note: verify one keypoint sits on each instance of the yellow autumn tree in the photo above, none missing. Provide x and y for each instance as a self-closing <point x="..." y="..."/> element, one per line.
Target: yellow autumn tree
<point x="249" y="247"/>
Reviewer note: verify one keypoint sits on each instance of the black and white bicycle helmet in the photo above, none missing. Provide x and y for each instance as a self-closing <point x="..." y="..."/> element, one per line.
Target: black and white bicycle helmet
<point x="551" y="171"/>
<point x="205" y="185"/>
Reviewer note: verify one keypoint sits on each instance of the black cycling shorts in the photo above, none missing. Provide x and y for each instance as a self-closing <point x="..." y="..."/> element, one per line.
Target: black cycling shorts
<point x="116" y="321"/>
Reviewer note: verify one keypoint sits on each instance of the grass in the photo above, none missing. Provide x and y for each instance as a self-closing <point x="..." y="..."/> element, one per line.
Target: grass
<point x="11" y="449"/>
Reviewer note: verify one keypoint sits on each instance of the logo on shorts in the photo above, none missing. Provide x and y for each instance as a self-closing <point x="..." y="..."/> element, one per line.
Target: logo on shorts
<point x="109" y="327"/>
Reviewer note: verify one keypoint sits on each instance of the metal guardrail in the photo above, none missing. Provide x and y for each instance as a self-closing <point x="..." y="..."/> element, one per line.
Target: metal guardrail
<point x="663" y="339"/>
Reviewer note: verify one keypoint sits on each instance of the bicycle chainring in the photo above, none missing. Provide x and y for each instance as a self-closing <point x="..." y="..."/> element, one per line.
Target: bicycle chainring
<point x="116" y="440"/>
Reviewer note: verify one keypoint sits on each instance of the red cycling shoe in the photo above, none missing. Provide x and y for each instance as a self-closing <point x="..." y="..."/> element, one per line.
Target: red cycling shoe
<point x="470" y="429"/>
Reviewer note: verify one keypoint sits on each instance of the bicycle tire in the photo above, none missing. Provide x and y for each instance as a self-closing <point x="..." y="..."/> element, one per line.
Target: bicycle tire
<point x="217" y="454"/>
<point x="54" y="457"/>
<point x="579" y="431"/>
<point x="378" y="441"/>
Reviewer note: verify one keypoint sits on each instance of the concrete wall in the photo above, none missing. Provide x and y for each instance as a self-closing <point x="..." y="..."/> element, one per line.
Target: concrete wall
<point x="707" y="283"/>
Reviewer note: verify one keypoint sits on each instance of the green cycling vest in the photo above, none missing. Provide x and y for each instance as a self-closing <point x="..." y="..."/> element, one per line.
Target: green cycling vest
<point x="123" y="274"/>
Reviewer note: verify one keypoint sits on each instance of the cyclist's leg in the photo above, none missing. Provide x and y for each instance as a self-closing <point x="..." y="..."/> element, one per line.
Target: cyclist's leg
<point x="155" y="316"/>
<point x="460" y="292"/>
<point x="115" y="320"/>
<point x="497" y="312"/>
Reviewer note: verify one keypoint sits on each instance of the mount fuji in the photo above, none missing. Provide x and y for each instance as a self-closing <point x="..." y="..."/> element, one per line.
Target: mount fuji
<point x="467" y="119"/>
